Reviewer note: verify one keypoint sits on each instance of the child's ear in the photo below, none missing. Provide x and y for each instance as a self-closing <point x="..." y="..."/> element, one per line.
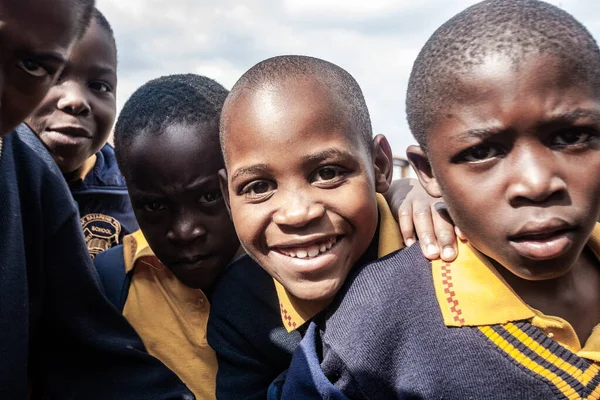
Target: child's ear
<point x="224" y="188"/>
<point x="383" y="163"/>
<point x="420" y="163"/>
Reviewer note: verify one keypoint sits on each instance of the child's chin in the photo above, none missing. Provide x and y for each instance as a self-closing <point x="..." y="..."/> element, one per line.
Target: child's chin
<point x="317" y="292"/>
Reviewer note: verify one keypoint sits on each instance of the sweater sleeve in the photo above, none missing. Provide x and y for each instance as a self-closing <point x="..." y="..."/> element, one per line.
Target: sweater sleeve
<point x="87" y="349"/>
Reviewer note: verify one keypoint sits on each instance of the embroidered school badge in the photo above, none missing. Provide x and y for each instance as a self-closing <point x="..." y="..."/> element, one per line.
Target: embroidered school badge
<point x="101" y="232"/>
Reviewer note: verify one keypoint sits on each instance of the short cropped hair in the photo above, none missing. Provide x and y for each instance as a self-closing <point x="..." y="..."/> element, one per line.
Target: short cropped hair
<point x="101" y="20"/>
<point x="174" y="99"/>
<point x="275" y="70"/>
<point x="86" y="9"/>
<point x="514" y="28"/>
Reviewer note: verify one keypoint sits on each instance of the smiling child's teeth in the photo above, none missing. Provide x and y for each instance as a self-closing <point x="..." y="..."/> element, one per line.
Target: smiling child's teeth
<point x="301" y="254"/>
<point x="323" y="248"/>
<point x="329" y="245"/>
<point x="313" y="251"/>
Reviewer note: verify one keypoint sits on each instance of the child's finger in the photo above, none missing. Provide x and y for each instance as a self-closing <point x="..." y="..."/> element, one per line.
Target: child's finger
<point x="423" y="221"/>
<point x="444" y="233"/>
<point x="407" y="228"/>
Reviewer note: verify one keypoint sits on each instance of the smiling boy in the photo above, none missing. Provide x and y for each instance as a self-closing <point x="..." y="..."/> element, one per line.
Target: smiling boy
<point x="59" y="335"/>
<point x="505" y="98"/>
<point x="74" y="121"/>
<point x="303" y="172"/>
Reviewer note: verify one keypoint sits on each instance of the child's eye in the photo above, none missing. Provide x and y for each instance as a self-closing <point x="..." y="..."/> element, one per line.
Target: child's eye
<point x="258" y="189"/>
<point x="33" y="68"/>
<point x="328" y="174"/>
<point x="154" y="206"/>
<point x="571" y="137"/>
<point x="100" y="87"/>
<point x="477" y="154"/>
<point x="210" y="197"/>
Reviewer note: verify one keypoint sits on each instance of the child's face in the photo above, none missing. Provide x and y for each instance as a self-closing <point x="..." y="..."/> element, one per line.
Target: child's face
<point x="173" y="182"/>
<point x="75" y="118"/>
<point x="517" y="161"/>
<point x="301" y="186"/>
<point x="36" y="37"/>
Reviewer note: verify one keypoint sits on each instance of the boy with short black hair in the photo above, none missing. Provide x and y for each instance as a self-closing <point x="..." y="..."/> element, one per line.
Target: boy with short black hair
<point x="504" y="98"/>
<point x="74" y="121"/>
<point x="59" y="335"/>
<point x="167" y="144"/>
<point x="303" y="172"/>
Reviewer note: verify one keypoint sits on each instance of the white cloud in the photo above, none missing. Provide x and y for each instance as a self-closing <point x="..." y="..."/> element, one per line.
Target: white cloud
<point x="376" y="41"/>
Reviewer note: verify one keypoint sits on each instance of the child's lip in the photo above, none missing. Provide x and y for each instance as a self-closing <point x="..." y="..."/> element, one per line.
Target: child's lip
<point x="541" y="230"/>
<point x="72" y="130"/>
<point x="305" y="242"/>
<point x="544" y="245"/>
<point x="190" y="259"/>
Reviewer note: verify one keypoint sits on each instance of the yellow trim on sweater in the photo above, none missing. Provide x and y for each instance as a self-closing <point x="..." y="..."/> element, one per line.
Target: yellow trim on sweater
<point x="295" y="312"/>
<point x="470" y="292"/>
<point x="170" y="317"/>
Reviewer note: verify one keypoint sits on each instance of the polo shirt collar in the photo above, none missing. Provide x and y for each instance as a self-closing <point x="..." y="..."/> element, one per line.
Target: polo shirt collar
<point x="135" y="247"/>
<point x="470" y="292"/>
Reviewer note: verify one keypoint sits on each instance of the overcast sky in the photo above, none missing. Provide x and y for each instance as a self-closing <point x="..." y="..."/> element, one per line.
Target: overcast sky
<point x="375" y="40"/>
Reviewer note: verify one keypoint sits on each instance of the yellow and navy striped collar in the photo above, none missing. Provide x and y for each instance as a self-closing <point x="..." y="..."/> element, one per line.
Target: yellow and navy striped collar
<point x="470" y="292"/>
<point x="295" y="312"/>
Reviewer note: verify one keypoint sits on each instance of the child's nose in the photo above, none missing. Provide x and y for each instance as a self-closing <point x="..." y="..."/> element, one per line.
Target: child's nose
<point x="74" y="101"/>
<point x="184" y="231"/>
<point x="297" y="210"/>
<point x="535" y="179"/>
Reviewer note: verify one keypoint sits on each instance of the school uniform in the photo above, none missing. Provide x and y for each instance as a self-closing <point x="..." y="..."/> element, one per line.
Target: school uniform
<point x="169" y="316"/>
<point x="405" y="328"/>
<point x="255" y="324"/>
<point x="58" y="332"/>
<point x="104" y="206"/>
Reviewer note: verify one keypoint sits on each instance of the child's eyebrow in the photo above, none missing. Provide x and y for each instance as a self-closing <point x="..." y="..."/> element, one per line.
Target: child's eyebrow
<point x="49" y="57"/>
<point x="574" y="116"/>
<point x="482" y="134"/>
<point x="327" y="155"/>
<point x="251" y="170"/>
<point x="102" y="70"/>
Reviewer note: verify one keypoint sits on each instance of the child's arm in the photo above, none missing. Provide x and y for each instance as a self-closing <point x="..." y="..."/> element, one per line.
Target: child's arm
<point x="422" y="217"/>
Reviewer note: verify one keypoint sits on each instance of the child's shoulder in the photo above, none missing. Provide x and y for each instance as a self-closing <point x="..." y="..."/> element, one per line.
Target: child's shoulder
<point x="244" y="282"/>
<point x="400" y="282"/>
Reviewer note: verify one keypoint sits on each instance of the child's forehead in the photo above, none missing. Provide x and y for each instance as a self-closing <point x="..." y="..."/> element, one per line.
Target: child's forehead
<point x="49" y="23"/>
<point x="179" y="138"/>
<point x="540" y="78"/>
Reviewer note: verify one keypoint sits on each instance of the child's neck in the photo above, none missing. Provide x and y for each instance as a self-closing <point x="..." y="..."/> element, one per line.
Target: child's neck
<point x="575" y="296"/>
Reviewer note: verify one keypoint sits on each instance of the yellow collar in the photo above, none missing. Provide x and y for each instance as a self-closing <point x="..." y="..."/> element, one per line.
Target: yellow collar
<point x="135" y="247"/>
<point x="295" y="312"/>
<point x="470" y="292"/>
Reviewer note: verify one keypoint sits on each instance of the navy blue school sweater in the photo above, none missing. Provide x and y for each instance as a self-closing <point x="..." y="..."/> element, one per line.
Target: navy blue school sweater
<point x="104" y="205"/>
<point x="385" y="338"/>
<point x="245" y="330"/>
<point x="58" y="333"/>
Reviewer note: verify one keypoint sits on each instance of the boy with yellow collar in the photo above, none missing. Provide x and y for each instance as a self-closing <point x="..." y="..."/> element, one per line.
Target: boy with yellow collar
<point x="303" y="172"/>
<point x="504" y="98"/>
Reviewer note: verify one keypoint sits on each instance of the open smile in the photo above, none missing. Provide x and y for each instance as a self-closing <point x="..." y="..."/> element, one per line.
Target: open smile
<point x="310" y="257"/>
<point x="309" y="251"/>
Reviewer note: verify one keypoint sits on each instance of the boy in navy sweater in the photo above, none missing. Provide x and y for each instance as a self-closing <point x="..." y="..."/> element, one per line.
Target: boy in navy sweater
<point x="504" y="98"/>
<point x="303" y="172"/>
<point x="59" y="335"/>
<point x="74" y="121"/>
